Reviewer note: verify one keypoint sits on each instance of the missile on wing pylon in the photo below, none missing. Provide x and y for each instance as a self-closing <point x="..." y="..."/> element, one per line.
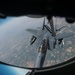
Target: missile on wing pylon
<point x="32" y="40"/>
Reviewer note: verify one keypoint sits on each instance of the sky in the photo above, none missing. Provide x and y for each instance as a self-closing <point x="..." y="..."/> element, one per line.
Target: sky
<point x="4" y="20"/>
<point x="10" y="70"/>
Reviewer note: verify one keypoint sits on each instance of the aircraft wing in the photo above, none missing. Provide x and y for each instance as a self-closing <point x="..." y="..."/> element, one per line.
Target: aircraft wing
<point x="64" y="35"/>
<point x="61" y="28"/>
<point x="32" y="31"/>
<point x="37" y="33"/>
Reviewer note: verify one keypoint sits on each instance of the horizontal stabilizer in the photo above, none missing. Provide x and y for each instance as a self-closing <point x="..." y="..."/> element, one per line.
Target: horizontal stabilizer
<point x="32" y="31"/>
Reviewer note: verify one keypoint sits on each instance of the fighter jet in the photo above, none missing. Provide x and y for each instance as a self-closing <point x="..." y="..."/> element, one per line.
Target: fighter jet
<point x="50" y="32"/>
<point x="50" y="38"/>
